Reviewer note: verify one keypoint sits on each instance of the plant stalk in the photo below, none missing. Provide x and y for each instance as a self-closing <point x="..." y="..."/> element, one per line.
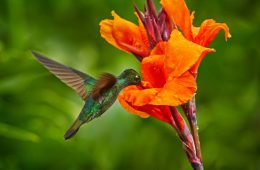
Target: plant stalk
<point x="187" y="139"/>
<point x="190" y="112"/>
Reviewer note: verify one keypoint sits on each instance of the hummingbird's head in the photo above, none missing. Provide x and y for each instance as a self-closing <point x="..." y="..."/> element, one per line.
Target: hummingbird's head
<point x="130" y="77"/>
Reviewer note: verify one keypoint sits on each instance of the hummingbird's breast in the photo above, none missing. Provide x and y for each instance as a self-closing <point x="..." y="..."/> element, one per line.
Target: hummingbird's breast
<point x="109" y="97"/>
<point x="96" y="107"/>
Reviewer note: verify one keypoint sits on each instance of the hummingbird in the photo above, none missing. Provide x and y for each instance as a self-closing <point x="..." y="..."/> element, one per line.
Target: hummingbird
<point x="99" y="94"/>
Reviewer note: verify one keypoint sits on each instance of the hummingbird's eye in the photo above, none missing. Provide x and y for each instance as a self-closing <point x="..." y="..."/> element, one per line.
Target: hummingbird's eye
<point x="137" y="77"/>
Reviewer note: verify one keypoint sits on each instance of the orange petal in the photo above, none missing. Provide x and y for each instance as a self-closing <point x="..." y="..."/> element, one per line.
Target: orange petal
<point x="146" y="85"/>
<point x="195" y="30"/>
<point x="143" y="31"/>
<point x="124" y="35"/>
<point x="106" y="31"/>
<point x="179" y="13"/>
<point x="182" y="54"/>
<point x="130" y="109"/>
<point x="176" y="91"/>
<point x="139" y="97"/>
<point x="194" y="68"/>
<point x="159" y="49"/>
<point x="160" y="112"/>
<point x="208" y="31"/>
<point x="153" y="70"/>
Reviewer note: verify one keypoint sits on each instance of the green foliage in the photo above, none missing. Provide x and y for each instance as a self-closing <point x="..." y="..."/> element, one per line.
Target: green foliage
<point x="36" y="108"/>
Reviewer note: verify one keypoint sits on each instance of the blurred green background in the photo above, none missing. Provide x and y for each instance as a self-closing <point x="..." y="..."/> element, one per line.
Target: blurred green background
<point x="36" y="108"/>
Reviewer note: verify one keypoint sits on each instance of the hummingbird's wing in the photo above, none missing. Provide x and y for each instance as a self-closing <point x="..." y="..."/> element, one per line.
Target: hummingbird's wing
<point x="71" y="77"/>
<point x="105" y="82"/>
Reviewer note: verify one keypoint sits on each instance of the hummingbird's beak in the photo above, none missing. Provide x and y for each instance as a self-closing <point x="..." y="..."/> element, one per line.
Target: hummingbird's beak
<point x="73" y="129"/>
<point x="70" y="133"/>
<point x="141" y="85"/>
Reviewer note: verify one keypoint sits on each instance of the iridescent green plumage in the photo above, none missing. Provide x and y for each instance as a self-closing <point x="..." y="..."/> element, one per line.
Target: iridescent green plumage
<point x="98" y="94"/>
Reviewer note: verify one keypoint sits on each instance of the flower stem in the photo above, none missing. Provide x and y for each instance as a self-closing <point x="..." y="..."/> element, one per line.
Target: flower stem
<point x="187" y="139"/>
<point x="190" y="112"/>
<point x="197" y="166"/>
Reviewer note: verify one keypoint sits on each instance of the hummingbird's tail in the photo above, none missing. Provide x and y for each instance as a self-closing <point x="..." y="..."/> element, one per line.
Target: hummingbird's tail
<point x="73" y="129"/>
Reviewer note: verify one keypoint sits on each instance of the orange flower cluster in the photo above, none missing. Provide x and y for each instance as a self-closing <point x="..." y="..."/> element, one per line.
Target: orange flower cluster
<point x="170" y="49"/>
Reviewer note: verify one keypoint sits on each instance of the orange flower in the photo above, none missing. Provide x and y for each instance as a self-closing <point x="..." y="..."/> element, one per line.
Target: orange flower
<point x="169" y="58"/>
<point x="179" y="13"/>
<point x="125" y="35"/>
<point x="167" y="80"/>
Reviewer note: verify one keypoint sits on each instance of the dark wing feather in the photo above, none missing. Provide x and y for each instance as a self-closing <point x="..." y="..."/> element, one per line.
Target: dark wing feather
<point x="105" y="82"/>
<point x="73" y="78"/>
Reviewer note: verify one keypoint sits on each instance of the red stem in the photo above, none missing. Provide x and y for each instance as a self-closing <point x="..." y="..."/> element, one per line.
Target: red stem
<point x="190" y="112"/>
<point x="187" y="139"/>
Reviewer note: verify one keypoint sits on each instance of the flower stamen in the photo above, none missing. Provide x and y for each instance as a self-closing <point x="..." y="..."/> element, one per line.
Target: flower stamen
<point x="158" y="27"/>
